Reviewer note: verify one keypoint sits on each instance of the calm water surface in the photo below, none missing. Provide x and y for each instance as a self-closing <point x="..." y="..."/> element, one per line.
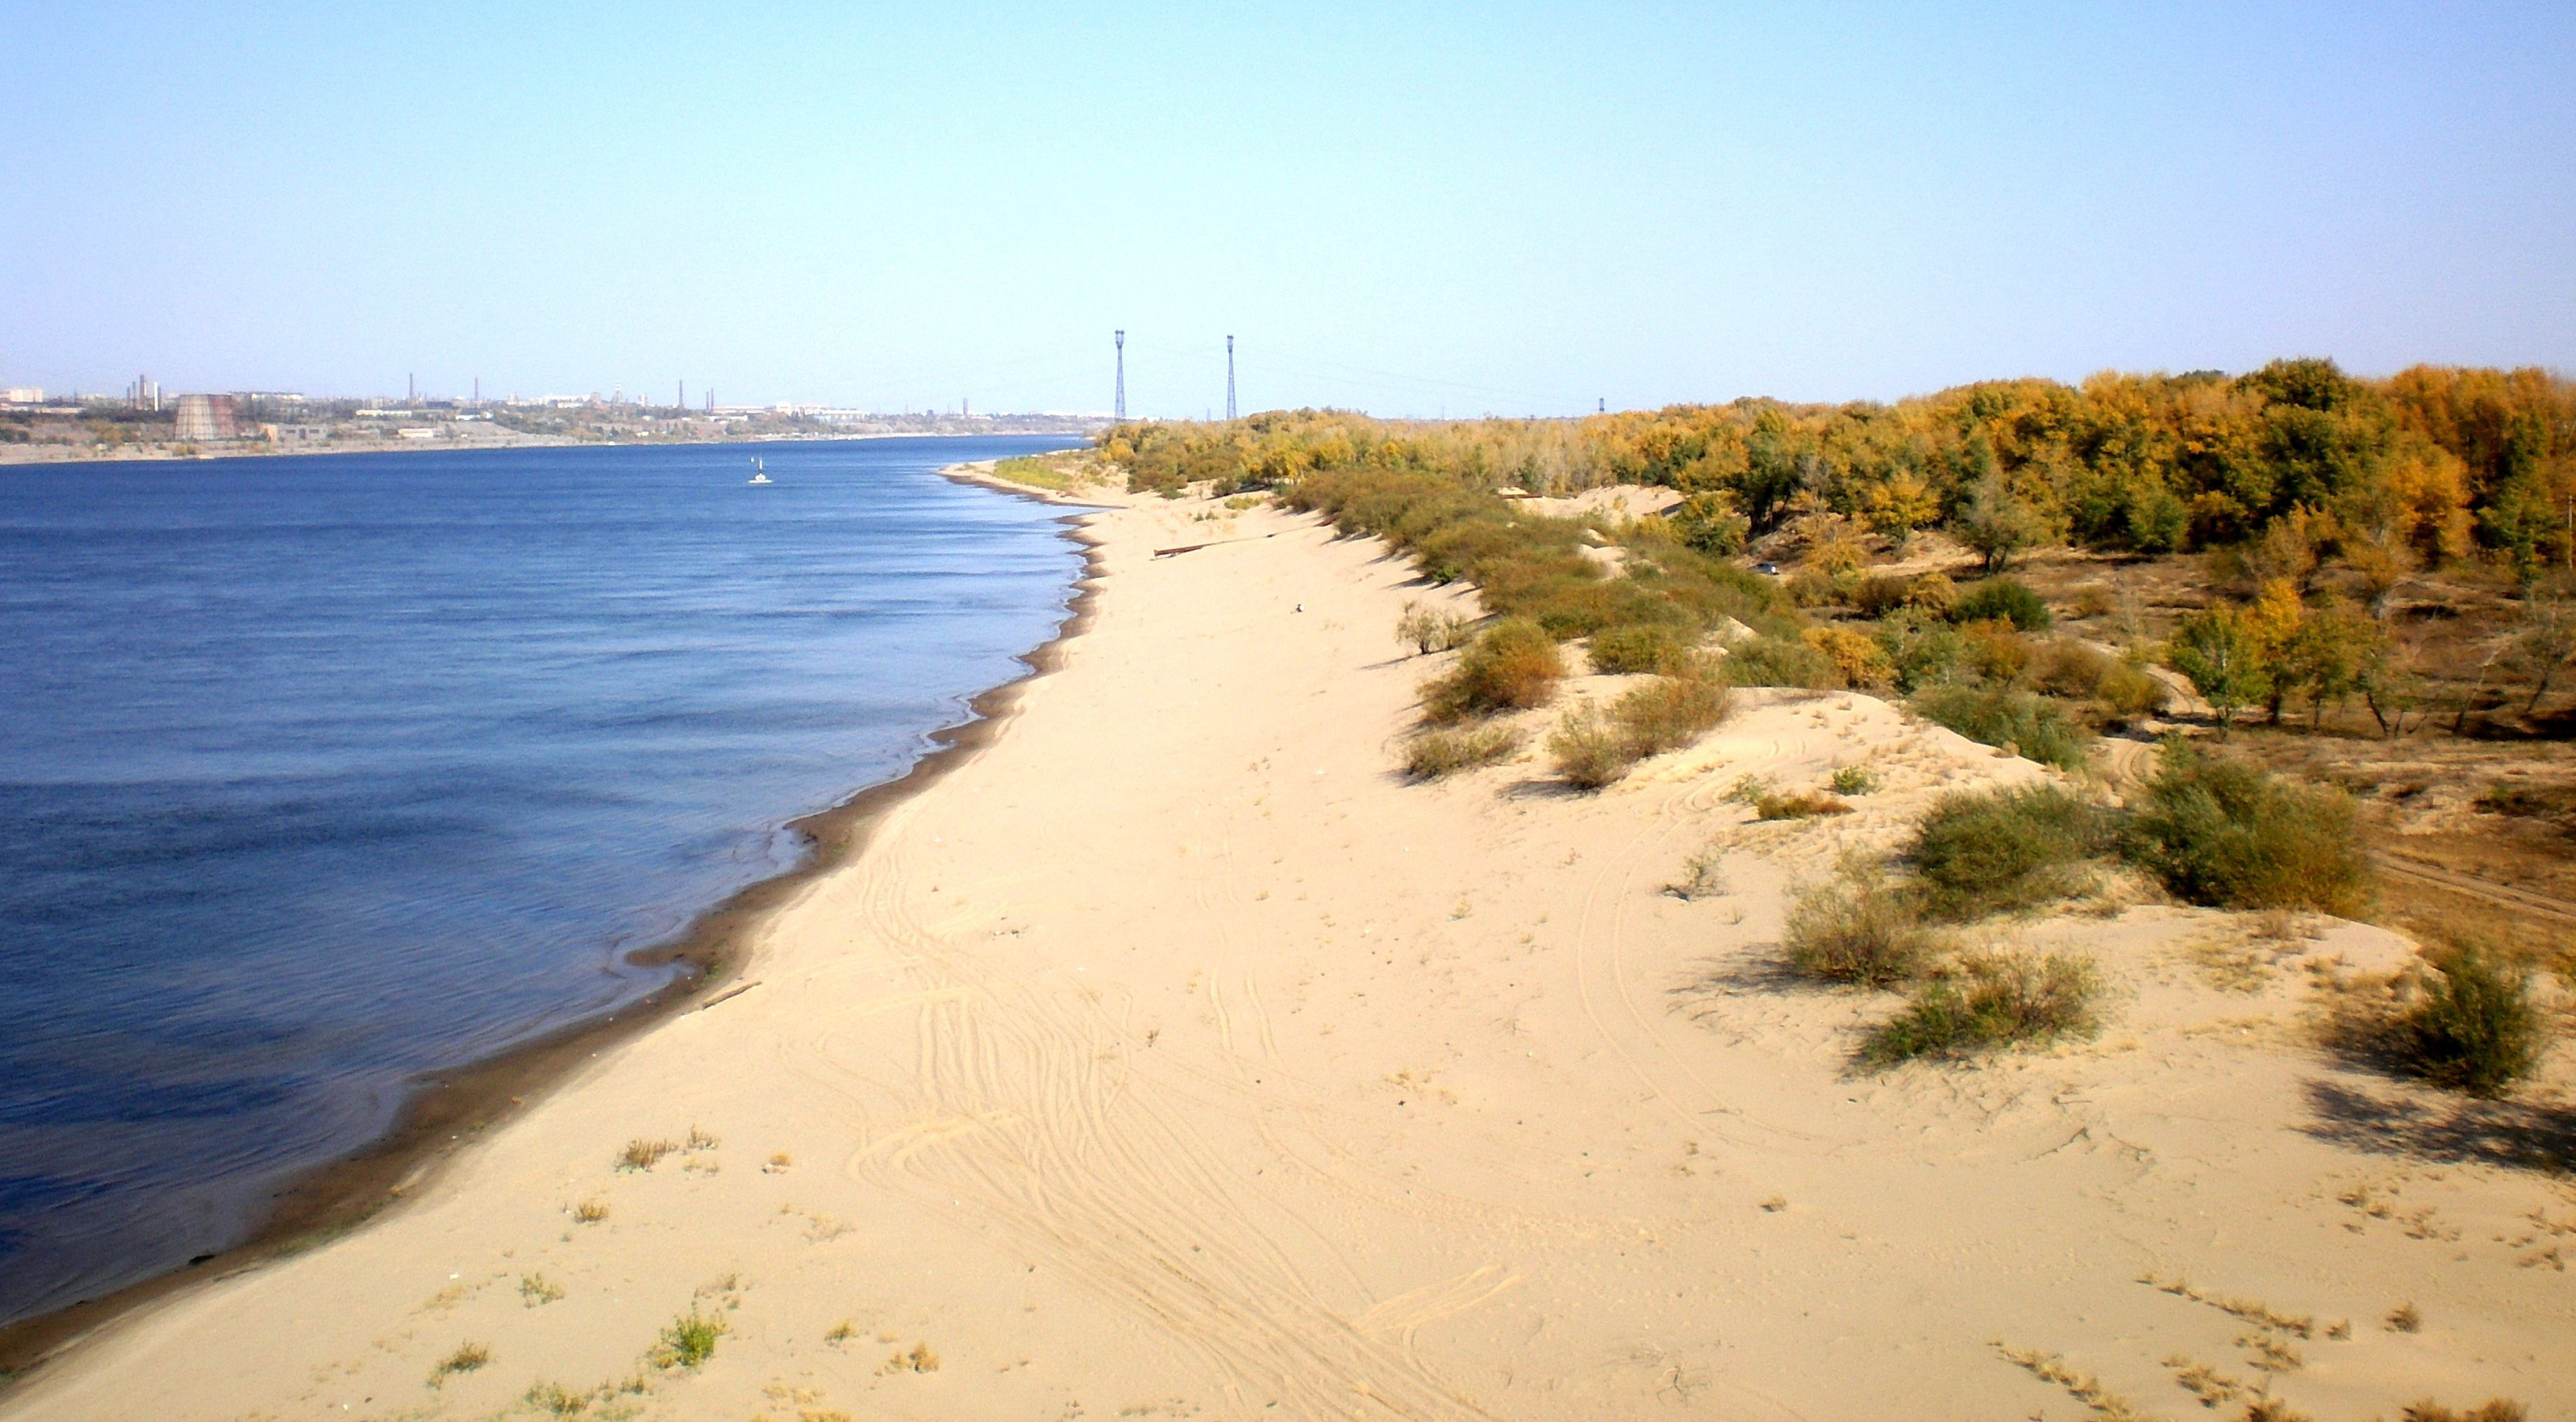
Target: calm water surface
<point x="319" y="773"/>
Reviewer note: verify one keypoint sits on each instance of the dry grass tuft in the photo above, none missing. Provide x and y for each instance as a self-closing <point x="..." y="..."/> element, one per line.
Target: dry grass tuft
<point x="590" y="1211"/>
<point x="537" y="1290"/>
<point x="643" y="1154"/>
<point x="1801" y="805"/>
<point x="1441" y="751"/>
<point x="920" y="1360"/>
<point x="2494" y="1409"/>
<point x="466" y="1358"/>
<point x="1703" y="876"/>
<point x="2405" y="1319"/>
<point x="2082" y="1386"/>
<point x="1431" y="629"/>
<point x="700" y="1140"/>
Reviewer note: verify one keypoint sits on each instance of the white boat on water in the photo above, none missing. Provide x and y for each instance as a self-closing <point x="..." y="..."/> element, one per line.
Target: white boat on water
<point x="759" y="475"/>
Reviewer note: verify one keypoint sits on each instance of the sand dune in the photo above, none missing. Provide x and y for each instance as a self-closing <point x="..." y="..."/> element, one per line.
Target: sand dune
<point x="1173" y="1058"/>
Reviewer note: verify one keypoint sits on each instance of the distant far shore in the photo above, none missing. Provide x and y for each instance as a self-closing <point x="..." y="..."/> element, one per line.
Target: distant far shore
<point x="487" y="438"/>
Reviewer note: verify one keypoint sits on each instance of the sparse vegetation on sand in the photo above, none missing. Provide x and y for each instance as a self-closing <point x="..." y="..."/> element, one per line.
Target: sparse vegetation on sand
<point x="1592" y="748"/>
<point x="1854" y="780"/>
<point x="1511" y="666"/>
<point x="590" y="1211"/>
<point x="2221" y="832"/>
<point x="537" y="1290"/>
<point x="920" y="1359"/>
<point x="1860" y="928"/>
<point x="1984" y="1001"/>
<point x="2000" y="850"/>
<point x="1445" y="750"/>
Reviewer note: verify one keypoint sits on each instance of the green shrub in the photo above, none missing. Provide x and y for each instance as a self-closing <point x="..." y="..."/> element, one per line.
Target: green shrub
<point x="1780" y="661"/>
<point x="1854" y="780"/>
<point x="1638" y="647"/>
<point x="1588" y="750"/>
<point x="689" y="1341"/>
<point x="1880" y="594"/>
<point x="2474" y="1028"/>
<point x="1922" y="650"/>
<point x="2005" y="598"/>
<point x="1441" y="751"/>
<point x="2128" y="692"/>
<point x="1511" y="666"/>
<point x="1857" y="928"/>
<point x="2030" y="726"/>
<point x="2220" y="832"/>
<point x="1987" y="852"/>
<point x="1987" y="1001"/>
<point x="2065" y="667"/>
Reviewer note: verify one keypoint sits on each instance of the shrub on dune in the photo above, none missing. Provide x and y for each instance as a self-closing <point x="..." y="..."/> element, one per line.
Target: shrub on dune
<point x="2221" y="832"/>
<point x="1987" y="1001"/>
<point x="1981" y="853"/>
<point x="1446" y="750"/>
<point x="2032" y="727"/>
<point x="1510" y="666"/>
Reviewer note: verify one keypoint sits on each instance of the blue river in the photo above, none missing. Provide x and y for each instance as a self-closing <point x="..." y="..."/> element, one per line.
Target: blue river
<point x="317" y="774"/>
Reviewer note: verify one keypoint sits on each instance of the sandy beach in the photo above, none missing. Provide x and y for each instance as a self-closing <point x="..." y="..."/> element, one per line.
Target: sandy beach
<point x="1170" y="1055"/>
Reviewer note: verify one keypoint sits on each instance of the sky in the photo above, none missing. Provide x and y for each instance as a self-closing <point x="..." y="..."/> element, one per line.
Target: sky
<point x="1409" y="209"/>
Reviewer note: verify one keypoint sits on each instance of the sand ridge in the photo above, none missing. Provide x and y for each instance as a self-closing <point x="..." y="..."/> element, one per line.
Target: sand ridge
<point x="1173" y="1057"/>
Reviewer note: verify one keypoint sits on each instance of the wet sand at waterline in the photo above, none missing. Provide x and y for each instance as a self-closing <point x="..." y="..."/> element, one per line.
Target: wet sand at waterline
<point x="1171" y="1056"/>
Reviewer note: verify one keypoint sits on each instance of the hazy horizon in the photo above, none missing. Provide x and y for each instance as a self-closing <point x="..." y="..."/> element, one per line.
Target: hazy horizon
<point x="1429" y="213"/>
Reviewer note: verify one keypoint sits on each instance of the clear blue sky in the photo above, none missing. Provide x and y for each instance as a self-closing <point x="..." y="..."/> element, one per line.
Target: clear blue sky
<point x="1410" y="209"/>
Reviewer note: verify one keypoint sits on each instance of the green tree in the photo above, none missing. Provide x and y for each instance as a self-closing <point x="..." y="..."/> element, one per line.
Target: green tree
<point x="1999" y="523"/>
<point x="2222" y="655"/>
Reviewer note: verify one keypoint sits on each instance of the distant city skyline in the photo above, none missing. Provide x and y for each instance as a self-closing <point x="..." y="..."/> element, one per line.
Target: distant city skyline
<point x="1424" y="212"/>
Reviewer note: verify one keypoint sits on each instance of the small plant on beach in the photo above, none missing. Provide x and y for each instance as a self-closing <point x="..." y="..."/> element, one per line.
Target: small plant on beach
<point x="556" y="1399"/>
<point x="700" y="1140"/>
<point x="643" y="1154"/>
<point x="1510" y="666"/>
<point x="2405" y="1319"/>
<point x="537" y="1290"/>
<point x="1858" y="928"/>
<point x="466" y="1358"/>
<point x="1431" y="629"/>
<point x="1982" y="853"/>
<point x="590" y="1211"/>
<point x="1986" y="1001"/>
<point x="1854" y="780"/>
<point x="842" y="1332"/>
<point x="1703" y="876"/>
<point x="2473" y="1027"/>
<point x="2223" y="833"/>
<point x="919" y="1360"/>
<point x="1639" y="647"/>
<point x="1444" y="750"/>
<point x="689" y="1341"/>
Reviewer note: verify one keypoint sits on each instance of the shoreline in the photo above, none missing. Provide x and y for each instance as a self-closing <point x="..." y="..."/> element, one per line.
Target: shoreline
<point x="445" y="1112"/>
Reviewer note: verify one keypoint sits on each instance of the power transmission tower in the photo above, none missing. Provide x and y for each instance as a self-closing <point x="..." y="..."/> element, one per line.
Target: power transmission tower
<point x="1121" y="338"/>
<point x="1229" y="380"/>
